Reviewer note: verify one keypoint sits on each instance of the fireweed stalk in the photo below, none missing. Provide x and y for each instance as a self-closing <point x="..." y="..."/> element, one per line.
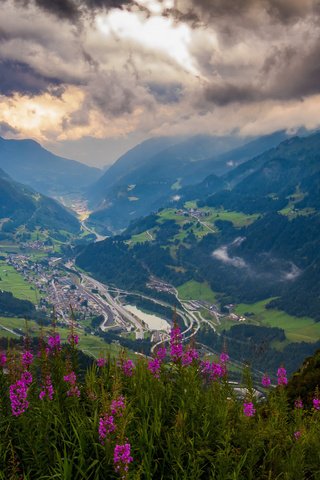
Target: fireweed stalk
<point x="73" y="339"/>
<point x="122" y="458"/>
<point x="128" y="367"/>
<point x="161" y="353"/>
<point x="106" y="427"/>
<point x="266" y="381"/>
<point x="248" y="409"/>
<point x="71" y="379"/>
<point x="154" y="367"/>
<point x="18" y="393"/>
<point x="27" y="359"/>
<point x="176" y="349"/>
<point x="47" y="389"/>
<point x="3" y="360"/>
<point x="107" y="422"/>
<point x="101" y="362"/>
<point x="54" y="344"/>
<point x="282" y="376"/>
<point x="189" y="356"/>
<point x="118" y="406"/>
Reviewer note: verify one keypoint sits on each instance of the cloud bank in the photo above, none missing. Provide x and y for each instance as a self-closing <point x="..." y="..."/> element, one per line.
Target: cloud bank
<point x="112" y="68"/>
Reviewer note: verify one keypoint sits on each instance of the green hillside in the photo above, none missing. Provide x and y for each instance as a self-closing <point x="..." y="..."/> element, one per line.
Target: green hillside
<point x="23" y="211"/>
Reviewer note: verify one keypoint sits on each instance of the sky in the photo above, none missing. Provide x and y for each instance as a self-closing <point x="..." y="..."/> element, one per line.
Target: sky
<point x="90" y="79"/>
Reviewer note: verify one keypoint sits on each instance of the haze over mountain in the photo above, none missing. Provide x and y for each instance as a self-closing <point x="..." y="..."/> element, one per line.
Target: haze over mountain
<point x="155" y="171"/>
<point x="274" y="254"/>
<point x="29" y="163"/>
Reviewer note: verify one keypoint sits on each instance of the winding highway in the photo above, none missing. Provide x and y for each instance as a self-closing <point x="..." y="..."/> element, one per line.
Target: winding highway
<point x="116" y="314"/>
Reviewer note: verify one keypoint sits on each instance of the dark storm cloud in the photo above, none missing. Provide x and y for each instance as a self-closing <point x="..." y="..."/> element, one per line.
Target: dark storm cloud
<point x="20" y="77"/>
<point x="223" y="94"/>
<point x="287" y="73"/>
<point x="166" y="93"/>
<point x="73" y="9"/>
<point x="295" y="73"/>
<point x="60" y="8"/>
<point x="284" y="11"/>
<point x="291" y="10"/>
<point x="117" y="94"/>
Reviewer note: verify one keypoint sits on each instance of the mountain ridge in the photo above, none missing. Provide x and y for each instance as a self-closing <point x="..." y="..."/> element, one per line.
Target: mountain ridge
<point x="27" y="162"/>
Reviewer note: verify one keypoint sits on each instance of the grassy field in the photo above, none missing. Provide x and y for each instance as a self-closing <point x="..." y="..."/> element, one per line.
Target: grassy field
<point x="193" y="290"/>
<point x="296" y="329"/>
<point x="6" y="247"/>
<point x="88" y="343"/>
<point x="11" y="281"/>
<point x="143" y="237"/>
<point x="292" y="213"/>
<point x="200" y="227"/>
<point x="177" y="185"/>
<point x="238" y="219"/>
<point x="169" y="214"/>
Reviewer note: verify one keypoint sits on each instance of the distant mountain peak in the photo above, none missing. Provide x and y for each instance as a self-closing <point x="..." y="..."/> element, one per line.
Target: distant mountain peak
<point x="26" y="161"/>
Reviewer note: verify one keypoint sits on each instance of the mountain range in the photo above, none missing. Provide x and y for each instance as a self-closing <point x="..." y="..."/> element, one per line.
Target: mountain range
<point x="261" y="239"/>
<point x="29" y="163"/>
<point x="161" y="170"/>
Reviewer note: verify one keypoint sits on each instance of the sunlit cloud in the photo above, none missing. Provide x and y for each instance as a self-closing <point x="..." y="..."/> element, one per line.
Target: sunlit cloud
<point x="109" y="68"/>
<point x="156" y="33"/>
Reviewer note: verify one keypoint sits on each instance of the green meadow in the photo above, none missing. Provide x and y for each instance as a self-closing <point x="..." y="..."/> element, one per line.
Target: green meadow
<point x="297" y="329"/>
<point x="12" y="281"/>
<point x="193" y="290"/>
<point x="238" y="219"/>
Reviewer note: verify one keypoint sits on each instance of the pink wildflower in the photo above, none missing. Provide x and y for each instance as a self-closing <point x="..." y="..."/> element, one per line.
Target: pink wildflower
<point x="73" y="390"/>
<point x="118" y="406"/>
<point x="316" y="403"/>
<point x="298" y="403"/>
<point x="161" y="353"/>
<point x="128" y="367"/>
<point x="73" y="339"/>
<point x="248" y="409"/>
<point x="190" y="355"/>
<point x="18" y="393"/>
<point x="122" y="458"/>
<point x="70" y="378"/>
<point x="54" y="343"/>
<point x="3" y="360"/>
<point x="297" y="434"/>
<point x="47" y="389"/>
<point x="224" y="357"/>
<point x="106" y="426"/>
<point x="282" y="376"/>
<point x="101" y="362"/>
<point x="217" y="371"/>
<point x="282" y="380"/>
<point x="27" y="359"/>
<point x="281" y="372"/>
<point x="26" y="377"/>
<point x="176" y="349"/>
<point x="266" y="381"/>
<point x="154" y="367"/>
<point x="205" y="367"/>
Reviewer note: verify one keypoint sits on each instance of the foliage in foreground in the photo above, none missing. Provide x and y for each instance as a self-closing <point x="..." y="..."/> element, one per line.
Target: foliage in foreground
<point x="172" y="417"/>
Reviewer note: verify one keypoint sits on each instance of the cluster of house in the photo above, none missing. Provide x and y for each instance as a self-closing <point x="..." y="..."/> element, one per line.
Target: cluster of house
<point x="193" y="212"/>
